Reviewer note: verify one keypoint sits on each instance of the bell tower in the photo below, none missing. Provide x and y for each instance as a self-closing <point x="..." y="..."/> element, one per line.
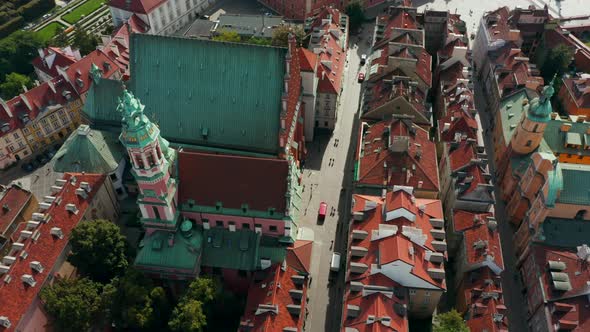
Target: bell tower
<point x="529" y="131"/>
<point x="152" y="161"/>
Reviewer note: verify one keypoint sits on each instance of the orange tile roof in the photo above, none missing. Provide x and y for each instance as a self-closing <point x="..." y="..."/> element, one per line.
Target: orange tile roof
<point x="378" y="305"/>
<point x="16" y="297"/>
<point x="419" y="168"/>
<point x="385" y="249"/>
<point x="61" y="58"/>
<point x="79" y="72"/>
<point x="137" y="6"/>
<point x="483" y="296"/>
<point x="274" y="292"/>
<point x="307" y="59"/>
<point x="12" y="202"/>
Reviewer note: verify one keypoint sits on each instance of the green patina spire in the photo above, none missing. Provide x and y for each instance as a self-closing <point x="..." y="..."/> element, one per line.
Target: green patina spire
<point x="540" y="109"/>
<point x="138" y="130"/>
<point x="96" y="73"/>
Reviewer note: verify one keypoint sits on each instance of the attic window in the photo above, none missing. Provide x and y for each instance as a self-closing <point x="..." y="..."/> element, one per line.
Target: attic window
<point x="218" y="206"/>
<point x="244" y="208"/>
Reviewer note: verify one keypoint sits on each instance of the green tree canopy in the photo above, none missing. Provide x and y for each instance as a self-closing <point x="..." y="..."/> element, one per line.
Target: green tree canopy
<point x="74" y="304"/>
<point x="557" y="62"/>
<point x="135" y="304"/>
<point x="356" y="15"/>
<point x="449" y="322"/>
<point x="228" y="36"/>
<point x="13" y="85"/>
<point x="280" y="35"/>
<point x="84" y="41"/>
<point x="190" y="315"/>
<point x="98" y="250"/>
<point x="61" y="38"/>
<point x="17" y="52"/>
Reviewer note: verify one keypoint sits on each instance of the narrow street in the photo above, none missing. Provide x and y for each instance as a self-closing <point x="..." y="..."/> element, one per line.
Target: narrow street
<point x="513" y="298"/>
<point x="323" y="183"/>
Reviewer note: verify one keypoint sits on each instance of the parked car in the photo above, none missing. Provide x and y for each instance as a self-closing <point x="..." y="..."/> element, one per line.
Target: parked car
<point x="42" y="159"/>
<point x="28" y="167"/>
<point x="35" y="164"/>
<point x="335" y="262"/>
<point x="322" y="211"/>
<point x="49" y="153"/>
<point x="361" y="77"/>
<point x="363" y="59"/>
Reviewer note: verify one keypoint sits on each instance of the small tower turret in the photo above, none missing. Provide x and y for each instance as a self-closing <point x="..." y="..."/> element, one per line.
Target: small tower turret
<point x="151" y="160"/>
<point x="529" y="132"/>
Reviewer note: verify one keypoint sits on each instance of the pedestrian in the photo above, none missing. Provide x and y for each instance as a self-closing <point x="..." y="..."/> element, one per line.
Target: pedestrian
<point x="331" y="244"/>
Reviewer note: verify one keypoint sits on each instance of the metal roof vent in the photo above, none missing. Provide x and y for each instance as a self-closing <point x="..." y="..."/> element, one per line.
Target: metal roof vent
<point x="29" y="280"/>
<point x="82" y="193"/>
<point x="556" y="265"/>
<point x="57" y="232"/>
<point x="5" y="322"/>
<point x="86" y="186"/>
<point x="72" y="208"/>
<point x="35" y="265"/>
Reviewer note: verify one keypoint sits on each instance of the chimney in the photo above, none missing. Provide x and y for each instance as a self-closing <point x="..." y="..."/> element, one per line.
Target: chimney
<point x="29" y="280"/>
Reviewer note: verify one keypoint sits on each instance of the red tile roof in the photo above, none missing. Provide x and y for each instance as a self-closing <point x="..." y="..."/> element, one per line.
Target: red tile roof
<point x="12" y="202"/>
<point x="299" y="256"/>
<point x="292" y="94"/>
<point x="16" y="297"/>
<point x="274" y="290"/>
<point x="79" y="72"/>
<point x="380" y="306"/>
<point x="499" y="28"/>
<point x="53" y="57"/>
<point x="383" y="92"/>
<point x="233" y="180"/>
<point x="116" y="46"/>
<point x="137" y="6"/>
<point x="418" y="164"/>
<point x="384" y="248"/>
<point x="396" y="18"/>
<point x="27" y="106"/>
<point x="579" y="90"/>
<point x="331" y="51"/>
<point x="388" y="57"/>
<point x="484" y="299"/>
<point x="307" y="59"/>
<point x="481" y="232"/>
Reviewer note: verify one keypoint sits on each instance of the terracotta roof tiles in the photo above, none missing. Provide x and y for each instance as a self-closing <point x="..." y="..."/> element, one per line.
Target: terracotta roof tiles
<point x="12" y="201"/>
<point x="16" y="296"/>
<point x="137" y="6"/>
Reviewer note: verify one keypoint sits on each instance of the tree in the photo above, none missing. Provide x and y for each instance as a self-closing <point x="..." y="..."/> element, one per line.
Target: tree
<point x="84" y="41"/>
<point x="98" y="250"/>
<point x="61" y="38"/>
<point x="259" y="41"/>
<point x="280" y="35"/>
<point x="74" y="304"/>
<point x="356" y="15"/>
<point x="557" y="62"/>
<point x="190" y="315"/>
<point x="449" y="322"/>
<point x="228" y="36"/>
<point x="13" y="85"/>
<point x="135" y="304"/>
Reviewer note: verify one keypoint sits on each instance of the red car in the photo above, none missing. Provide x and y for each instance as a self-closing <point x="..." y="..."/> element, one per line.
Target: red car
<point x="322" y="211"/>
<point x="361" y="77"/>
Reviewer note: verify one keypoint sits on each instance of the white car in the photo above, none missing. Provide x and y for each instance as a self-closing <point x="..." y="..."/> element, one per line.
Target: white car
<point x="363" y="59"/>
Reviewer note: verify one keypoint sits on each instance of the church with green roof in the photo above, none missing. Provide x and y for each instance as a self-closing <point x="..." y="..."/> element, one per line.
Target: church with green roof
<point x="213" y="134"/>
<point x="545" y="179"/>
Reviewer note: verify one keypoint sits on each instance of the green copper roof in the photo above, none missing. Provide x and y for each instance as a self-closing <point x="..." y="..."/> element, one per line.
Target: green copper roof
<point x="511" y="109"/>
<point x="90" y="151"/>
<point x="210" y="93"/>
<point x="557" y="139"/>
<point x="555" y="178"/>
<point x="576" y="184"/>
<point x="540" y="109"/>
<point x="240" y="250"/>
<point x="101" y="103"/>
<point x="565" y="232"/>
<point x="155" y="251"/>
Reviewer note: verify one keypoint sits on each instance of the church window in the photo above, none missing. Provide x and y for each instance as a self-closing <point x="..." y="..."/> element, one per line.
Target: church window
<point x="272" y="229"/>
<point x="580" y="214"/>
<point x="219" y="223"/>
<point x="139" y="161"/>
<point x="535" y="128"/>
<point x="246" y="225"/>
<point x="529" y="143"/>
<point x="150" y="160"/>
<point x="156" y="212"/>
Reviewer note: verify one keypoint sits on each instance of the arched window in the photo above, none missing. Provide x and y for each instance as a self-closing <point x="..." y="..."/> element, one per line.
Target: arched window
<point x="529" y="143"/>
<point x="535" y="128"/>
<point x="580" y="214"/>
